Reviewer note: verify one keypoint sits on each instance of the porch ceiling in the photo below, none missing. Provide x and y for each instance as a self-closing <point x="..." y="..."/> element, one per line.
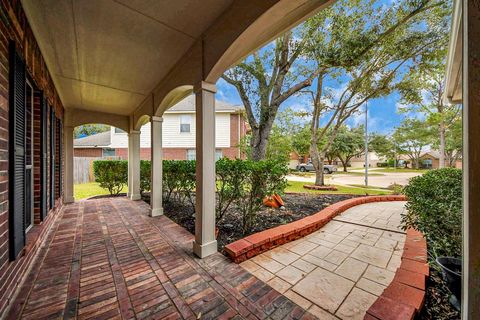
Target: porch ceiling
<point x="124" y="57"/>
<point x="108" y="55"/>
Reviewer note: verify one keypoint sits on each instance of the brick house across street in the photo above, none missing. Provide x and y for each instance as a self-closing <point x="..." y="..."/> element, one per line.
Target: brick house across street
<point x="178" y="135"/>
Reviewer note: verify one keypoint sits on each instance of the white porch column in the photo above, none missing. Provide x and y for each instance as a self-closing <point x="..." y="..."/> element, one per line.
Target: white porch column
<point x="68" y="178"/>
<point x="134" y="165"/>
<point x="129" y="153"/>
<point x="205" y="243"/>
<point x="157" y="168"/>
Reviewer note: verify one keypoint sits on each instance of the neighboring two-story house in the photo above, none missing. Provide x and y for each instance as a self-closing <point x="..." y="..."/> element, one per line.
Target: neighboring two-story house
<point x="178" y="133"/>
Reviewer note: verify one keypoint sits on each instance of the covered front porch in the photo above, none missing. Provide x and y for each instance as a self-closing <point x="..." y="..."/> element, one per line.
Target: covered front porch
<point x="124" y="64"/>
<point x="107" y="259"/>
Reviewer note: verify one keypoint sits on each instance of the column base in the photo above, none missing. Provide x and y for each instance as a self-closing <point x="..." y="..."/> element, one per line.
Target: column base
<point x="156" y="212"/>
<point x="204" y="250"/>
<point x="135" y="197"/>
<point x="68" y="199"/>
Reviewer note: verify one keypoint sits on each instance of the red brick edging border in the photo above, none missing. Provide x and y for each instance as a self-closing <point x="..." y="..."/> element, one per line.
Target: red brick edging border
<point x="259" y="242"/>
<point x="405" y="295"/>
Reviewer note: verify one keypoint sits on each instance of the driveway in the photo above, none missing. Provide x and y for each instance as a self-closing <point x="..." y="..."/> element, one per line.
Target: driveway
<point x="383" y="181"/>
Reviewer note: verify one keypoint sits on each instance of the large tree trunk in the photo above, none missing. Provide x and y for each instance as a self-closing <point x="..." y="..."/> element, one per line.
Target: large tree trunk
<point x="441" y="131"/>
<point x="344" y="164"/>
<point x="259" y="141"/>
<point x="317" y="161"/>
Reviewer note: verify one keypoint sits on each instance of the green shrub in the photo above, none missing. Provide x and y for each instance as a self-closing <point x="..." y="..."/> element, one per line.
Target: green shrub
<point x="396" y="188"/>
<point x="263" y="178"/>
<point x="178" y="179"/>
<point x="243" y="183"/>
<point x="231" y="175"/>
<point x="145" y="175"/>
<point x="111" y="174"/>
<point x="170" y="180"/>
<point x="435" y="208"/>
<point x="185" y="176"/>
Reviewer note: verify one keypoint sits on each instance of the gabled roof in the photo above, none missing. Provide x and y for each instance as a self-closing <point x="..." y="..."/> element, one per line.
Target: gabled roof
<point x="433" y="153"/>
<point x="188" y="105"/>
<point x="102" y="139"/>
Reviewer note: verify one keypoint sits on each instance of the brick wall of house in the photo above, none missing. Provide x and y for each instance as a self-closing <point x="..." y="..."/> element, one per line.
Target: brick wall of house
<point x="14" y="27"/>
<point x="87" y="152"/>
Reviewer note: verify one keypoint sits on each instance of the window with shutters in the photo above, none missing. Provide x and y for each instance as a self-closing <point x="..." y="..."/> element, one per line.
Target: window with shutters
<point x="52" y="157"/>
<point x="17" y="161"/>
<point x="44" y="157"/>
<point x="29" y="165"/>
<point x="58" y="159"/>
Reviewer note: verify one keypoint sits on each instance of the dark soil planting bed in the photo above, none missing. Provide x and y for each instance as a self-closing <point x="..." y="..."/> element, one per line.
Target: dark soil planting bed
<point x="297" y="206"/>
<point x="437" y="305"/>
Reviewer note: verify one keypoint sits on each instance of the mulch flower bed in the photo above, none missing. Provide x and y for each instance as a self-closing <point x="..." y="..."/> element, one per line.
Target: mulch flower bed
<point x="437" y="306"/>
<point x="297" y="206"/>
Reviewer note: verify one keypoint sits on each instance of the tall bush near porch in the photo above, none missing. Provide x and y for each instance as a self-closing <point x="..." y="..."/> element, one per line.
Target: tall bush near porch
<point x="185" y="175"/>
<point x="231" y="176"/>
<point x="145" y="176"/>
<point x="435" y="208"/>
<point x="264" y="178"/>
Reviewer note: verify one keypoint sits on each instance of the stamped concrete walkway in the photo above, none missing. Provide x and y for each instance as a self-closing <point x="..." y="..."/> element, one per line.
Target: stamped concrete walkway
<point x="106" y="259"/>
<point x="341" y="269"/>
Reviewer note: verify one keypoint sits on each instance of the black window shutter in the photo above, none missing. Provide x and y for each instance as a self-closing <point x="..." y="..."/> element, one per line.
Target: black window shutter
<point x="16" y="152"/>
<point x="60" y="150"/>
<point x="52" y="157"/>
<point x="43" y="161"/>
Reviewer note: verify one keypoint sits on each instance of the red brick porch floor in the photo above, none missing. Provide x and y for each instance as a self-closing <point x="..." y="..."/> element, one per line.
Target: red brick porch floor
<point x="106" y="259"/>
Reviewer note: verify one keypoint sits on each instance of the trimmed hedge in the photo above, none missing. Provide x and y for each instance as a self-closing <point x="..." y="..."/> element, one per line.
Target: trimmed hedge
<point x="435" y="208"/>
<point x="111" y="174"/>
<point x="145" y="176"/>
<point x="240" y="183"/>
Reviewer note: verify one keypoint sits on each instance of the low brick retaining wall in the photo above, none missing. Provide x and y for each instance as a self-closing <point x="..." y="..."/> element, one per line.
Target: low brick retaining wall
<point x="259" y="242"/>
<point x="323" y="188"/>
<point x="405" y="295"/>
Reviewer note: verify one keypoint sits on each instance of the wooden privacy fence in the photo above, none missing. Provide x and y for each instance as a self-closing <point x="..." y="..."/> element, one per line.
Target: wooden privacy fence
<point x="83" y="168"/>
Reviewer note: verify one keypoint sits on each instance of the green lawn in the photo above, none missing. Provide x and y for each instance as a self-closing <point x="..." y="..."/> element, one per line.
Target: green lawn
<point x="87" y="190"/>
<point x="297" y="186"/>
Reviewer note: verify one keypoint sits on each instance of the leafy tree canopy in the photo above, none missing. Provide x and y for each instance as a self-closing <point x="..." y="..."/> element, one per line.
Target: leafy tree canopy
<point x="89" y="129"/>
